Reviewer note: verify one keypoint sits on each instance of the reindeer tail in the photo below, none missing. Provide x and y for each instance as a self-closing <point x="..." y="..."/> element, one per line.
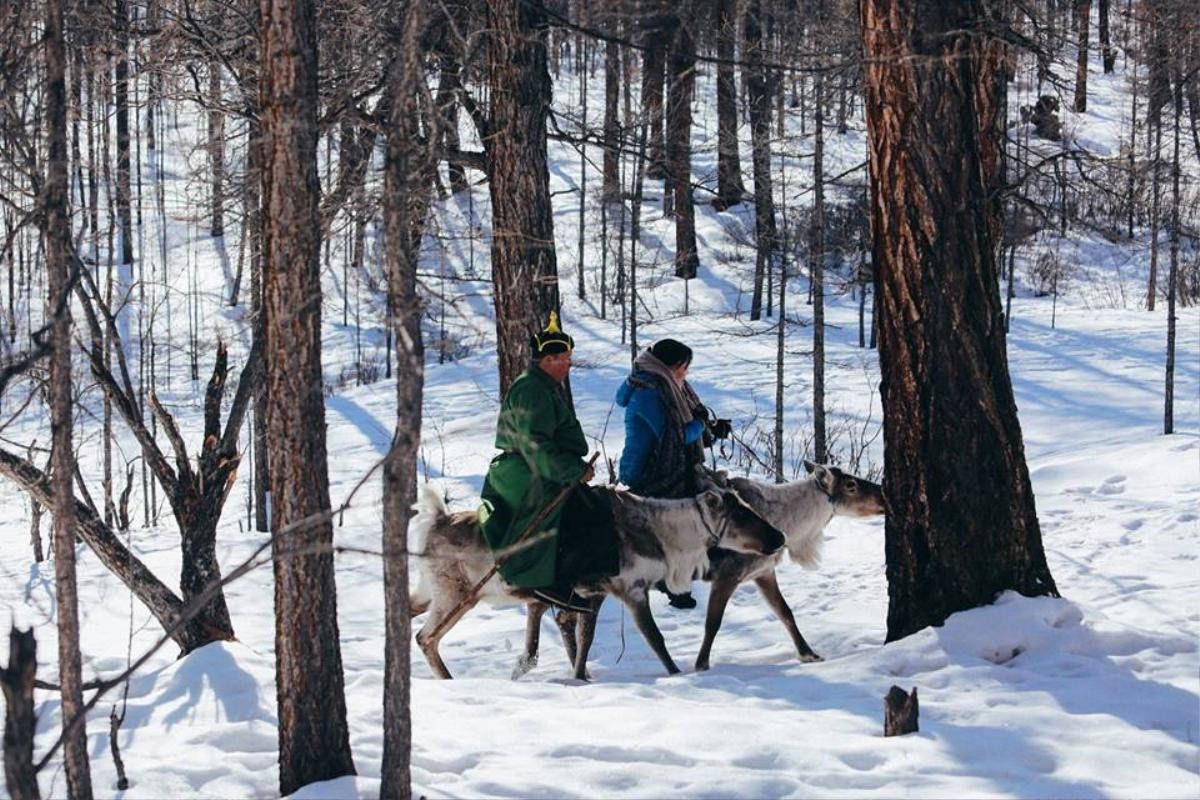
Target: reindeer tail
<point x="431" y="509"/>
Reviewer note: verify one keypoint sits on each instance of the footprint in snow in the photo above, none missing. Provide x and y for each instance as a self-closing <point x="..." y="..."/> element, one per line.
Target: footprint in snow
<point x="1113" y="485"/>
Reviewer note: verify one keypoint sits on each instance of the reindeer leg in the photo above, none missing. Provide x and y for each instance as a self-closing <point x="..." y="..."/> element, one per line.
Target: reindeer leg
<point x="769" y="586"/>
<point x="565" y="620"/>
<point x="640" y="608"/>
<point x="585" y="628"/>
<point x="443" y="609"/>
<point x="718" y="598"/>
<point x="533" y="633"/>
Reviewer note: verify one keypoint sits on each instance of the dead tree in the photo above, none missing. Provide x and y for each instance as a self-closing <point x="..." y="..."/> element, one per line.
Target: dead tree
<point x="961" y="526"/>
<point x="196" y="494"/>
<point x="20" y="722"/>
<point x="314" y="743"/>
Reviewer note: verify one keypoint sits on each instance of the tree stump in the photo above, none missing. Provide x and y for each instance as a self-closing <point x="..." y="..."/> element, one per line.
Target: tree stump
<point x="899" y="712"/>
<point x="17" y="682"/>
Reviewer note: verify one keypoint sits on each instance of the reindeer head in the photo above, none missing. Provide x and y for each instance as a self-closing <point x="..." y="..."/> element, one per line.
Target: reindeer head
<point x="851" y="496"/>
<point x="735" y="525"/>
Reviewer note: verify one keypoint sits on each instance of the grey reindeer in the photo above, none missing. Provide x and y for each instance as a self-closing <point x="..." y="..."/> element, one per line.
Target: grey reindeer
<point x="658" y="540"/>
<point x="801" y="509"/>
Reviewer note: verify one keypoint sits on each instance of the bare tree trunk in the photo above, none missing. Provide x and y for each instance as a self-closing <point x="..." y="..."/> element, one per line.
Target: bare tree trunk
<point x="961" y="524"/>
<point x="524" y="265"/>
<point x="121" y="91"/>
<point x="314" y="742"/>
<point x="817" y="248"/>
<point x="1107" y="52"/>
<point x="1173" y="274"/>
<point x="759" y="102"/>
<point x="20" y="721"/>
<point x="405" y="202"/>
<point x="57" y="236"/>
<point x="1083" y="9"/>
<point x="216" y="149"/>
<point x="612" y="129"/>
<point x="679" y="144"/>
<point x="654" y="59"/>
<point x="729" y="165"/>
<point x="1156" y="158"/>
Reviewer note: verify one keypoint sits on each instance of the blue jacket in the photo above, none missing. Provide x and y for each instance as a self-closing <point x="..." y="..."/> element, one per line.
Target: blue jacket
<point x="645" y="422"/>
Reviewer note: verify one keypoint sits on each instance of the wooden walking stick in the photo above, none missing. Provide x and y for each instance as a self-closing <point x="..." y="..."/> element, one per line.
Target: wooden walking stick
<point x="516" y="547"/>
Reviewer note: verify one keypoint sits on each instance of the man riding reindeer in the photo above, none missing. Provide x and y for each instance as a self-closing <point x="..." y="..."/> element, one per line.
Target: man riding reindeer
<point x="542" y="455"/>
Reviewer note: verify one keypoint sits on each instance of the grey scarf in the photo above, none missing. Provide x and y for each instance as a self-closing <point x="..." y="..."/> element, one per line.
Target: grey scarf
<point x="683" y="398"/>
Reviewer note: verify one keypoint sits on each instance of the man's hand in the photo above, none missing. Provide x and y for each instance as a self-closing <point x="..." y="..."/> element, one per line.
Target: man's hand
<point x="588" y="473"/>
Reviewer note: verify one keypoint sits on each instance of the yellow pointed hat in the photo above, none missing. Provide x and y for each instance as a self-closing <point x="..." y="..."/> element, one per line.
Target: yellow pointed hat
<point x="551" y="339"/>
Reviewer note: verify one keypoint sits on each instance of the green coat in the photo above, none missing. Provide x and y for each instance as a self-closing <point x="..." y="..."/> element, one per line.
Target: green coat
<point x="543" y="448"/>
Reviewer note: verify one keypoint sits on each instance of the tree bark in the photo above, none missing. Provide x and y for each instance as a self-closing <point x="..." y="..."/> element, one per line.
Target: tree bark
<point x="405" y="206"/>
<point x="57" y="237"/>
<point x="121" y="92"/>
<point x="729" y="165"/>
<point x="612" y="130"/>
<point x="314" y="742"/>
<point x="524" y="264"/>
<point x="759" y="102"/>
<point x="961" y="524"/>
<point x="817" y="248"/>
<point x="20" y="721"/>
<point x="216" y="149"/>
<point x="1107" y="52"/>
<point x="679" y="143"/>
<point x="1173" y="269"/>
<point x="1083" y="11"/>
<point x="654" y="59"/>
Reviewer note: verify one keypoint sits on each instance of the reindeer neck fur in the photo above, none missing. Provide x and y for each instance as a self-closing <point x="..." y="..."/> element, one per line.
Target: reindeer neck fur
<point x="673" y="534"/>
<point x="801" y="509"/>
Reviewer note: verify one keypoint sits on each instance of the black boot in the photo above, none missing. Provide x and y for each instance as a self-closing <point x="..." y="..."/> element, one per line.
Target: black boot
<point x="683" y="600"/>
<point x="563" y="596"/>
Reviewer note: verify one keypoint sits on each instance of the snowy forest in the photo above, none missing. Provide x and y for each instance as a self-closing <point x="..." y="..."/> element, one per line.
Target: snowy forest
<point x="320" y="322"/>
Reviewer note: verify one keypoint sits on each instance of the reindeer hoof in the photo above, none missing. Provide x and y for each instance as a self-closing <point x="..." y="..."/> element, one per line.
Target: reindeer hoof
<point x="524" y="664"/>
<point x="810" y="657"/>
<point x="701" y="666"/>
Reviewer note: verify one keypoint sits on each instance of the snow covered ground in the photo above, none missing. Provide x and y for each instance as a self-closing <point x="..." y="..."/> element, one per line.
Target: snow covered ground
<point x="1096" y="694"/>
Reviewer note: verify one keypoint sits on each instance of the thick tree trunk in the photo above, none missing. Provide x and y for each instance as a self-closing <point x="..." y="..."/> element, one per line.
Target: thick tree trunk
<point x="405" y="206"/>
<point x="961" y="524"/>
<point x="679" y="143"/>
<point x="524" y="265"/>
<point x="654" y="61"/>
<point x="314" y="740"/>
<point x="729" y="164"/>
<point x="20" y="721"/>
<point x="1083" y="12"/>
<point x="758" y="99"/>
<point x="57" y="238"/>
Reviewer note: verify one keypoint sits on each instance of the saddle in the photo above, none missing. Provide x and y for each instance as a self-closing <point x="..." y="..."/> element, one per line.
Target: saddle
<point x="588" y="547"/>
